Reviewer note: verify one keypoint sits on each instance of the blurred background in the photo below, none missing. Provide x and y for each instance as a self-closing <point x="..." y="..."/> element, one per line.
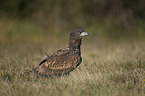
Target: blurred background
<point x="37" y="21"/>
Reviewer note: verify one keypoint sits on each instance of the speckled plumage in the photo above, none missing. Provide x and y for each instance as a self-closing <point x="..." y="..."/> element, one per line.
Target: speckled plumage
<point x="64" y="60"/>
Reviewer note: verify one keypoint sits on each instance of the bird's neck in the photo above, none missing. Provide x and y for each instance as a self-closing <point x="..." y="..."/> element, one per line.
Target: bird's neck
<point x="75" y="44"/>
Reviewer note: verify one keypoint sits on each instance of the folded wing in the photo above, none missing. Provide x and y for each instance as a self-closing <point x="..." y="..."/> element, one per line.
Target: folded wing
<point x="58" y="64"/>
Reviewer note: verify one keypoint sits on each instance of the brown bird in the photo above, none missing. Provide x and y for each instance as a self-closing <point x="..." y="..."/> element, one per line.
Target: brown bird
<point x="64" y="60"/>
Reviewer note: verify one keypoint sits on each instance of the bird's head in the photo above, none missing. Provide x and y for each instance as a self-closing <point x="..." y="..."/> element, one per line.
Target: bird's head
<point x="75" y="39"/>
<point x="79" y="34"/>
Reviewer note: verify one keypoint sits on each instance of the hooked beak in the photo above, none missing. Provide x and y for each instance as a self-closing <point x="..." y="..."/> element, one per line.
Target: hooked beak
<point x="84" y="34"/>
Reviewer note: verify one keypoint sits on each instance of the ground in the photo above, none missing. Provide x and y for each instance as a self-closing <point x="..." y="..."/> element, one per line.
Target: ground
<point x="109" y="68"/>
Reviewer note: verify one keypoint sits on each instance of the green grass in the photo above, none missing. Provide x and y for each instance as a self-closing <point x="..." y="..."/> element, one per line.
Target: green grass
<point x="114" y="70"/>
<point x="109" y="68"/>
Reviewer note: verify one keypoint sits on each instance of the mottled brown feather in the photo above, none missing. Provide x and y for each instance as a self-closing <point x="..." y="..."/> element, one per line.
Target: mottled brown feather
<point x="63" y="61"/>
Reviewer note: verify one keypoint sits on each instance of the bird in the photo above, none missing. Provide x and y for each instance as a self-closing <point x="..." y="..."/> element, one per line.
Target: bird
<point x="63" y="61"/>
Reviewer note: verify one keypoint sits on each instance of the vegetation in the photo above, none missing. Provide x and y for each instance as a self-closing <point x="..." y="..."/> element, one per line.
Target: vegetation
<point x="107" y="69"/>
<point x="113" y="54"/>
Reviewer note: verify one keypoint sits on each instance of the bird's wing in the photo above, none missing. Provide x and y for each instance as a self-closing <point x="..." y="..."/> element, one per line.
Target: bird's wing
<point x="65" y="61"/>
<point x="57" y="63"/>
<point x="59" y="52"/>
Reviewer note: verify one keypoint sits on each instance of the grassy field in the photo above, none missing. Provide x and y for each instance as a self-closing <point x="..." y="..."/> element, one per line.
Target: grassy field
<point x="109" y="68"/>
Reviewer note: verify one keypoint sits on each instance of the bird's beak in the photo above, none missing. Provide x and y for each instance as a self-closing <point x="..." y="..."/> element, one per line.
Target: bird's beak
<point x="84" y="34"/>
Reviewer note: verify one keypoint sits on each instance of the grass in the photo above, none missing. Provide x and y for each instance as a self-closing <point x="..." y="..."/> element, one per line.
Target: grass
<point x="109" y="68"/>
